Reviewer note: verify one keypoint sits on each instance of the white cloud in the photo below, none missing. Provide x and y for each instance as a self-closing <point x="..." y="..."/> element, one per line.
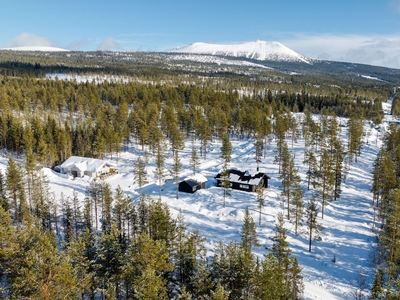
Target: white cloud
<point x="372" y="50"/>
<point x="29" y="39"/>
<point x="78" y="45"/>
<point x="109" y="44"/>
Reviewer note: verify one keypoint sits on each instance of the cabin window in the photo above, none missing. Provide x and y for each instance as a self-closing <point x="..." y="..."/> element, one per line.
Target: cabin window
<point x="243" y="186"/>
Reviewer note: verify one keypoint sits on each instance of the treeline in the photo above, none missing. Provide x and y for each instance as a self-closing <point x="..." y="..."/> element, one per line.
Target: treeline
<point x="53" y="119"/>
<point x="386" y="202"/>
<point x="108" y="247"/>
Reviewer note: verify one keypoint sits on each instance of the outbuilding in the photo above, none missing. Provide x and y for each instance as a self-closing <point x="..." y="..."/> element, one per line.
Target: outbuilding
<point x="192" y="184"/>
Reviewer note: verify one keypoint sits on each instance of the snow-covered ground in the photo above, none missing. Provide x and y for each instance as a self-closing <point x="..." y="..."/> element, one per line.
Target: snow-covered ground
<point x="348" y="221"/>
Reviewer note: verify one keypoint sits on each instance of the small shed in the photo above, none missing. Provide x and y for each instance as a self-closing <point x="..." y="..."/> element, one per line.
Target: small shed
<point x="192" y="184"/>
<point x="244" y="181"/>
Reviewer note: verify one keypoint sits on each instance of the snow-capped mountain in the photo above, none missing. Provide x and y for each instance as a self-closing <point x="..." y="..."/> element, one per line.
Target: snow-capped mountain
<point x="35" y="48"/>
<point x="259" y="50"/>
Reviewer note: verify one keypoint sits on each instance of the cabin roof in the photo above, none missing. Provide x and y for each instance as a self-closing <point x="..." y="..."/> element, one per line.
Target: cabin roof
<point x="85" y="163"/>
<point x="244" y="177"/>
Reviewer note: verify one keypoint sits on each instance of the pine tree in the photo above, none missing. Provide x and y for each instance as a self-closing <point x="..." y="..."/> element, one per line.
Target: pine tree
<point x="94" y="195"/>
<point x="140" y="174"/>
<point x="356" y="130"/>
<point x="313" y="226"/>
<point x="146" y="267"/>
<point x="325" y="181"/>
<point x="29" y="161"/>
<point x="202" y="281"/>
<point x="260" y="202"/>
<point x="159" y="172"/>
<point x="226" y="148"/>
<point x="259" y="151"/>
<point x="280" y="131"/>
<point x="225" y="181"/>
<point x="312" y="171"/>
<point x="15" y="190"/>
<point x="337" y="167"/>
<point x="219" y="293"/>
<point x="194" y="160"/>
<point x="293" y="128"/>
<point x="390" y="237"/>
<point x="109" y="259"/>
<point x="289" y="176"/>
<point x="67" y="222"/>
<point x="120" y="211"/>
<point x="81" y="265"/>
<point x="3" y="198"/>
<point x="9" y="242"/>
<point x="175" y="170"/>
<point x="43" y="272"/>
<point x="107" y="200"/>
<point x="77" y="213"/>
<point x="297" y="209"/>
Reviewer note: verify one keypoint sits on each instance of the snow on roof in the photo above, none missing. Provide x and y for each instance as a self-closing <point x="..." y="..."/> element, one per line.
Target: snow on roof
<point x="244" y="177"/>
<point x="85" y="163"/>
<point x="197" y="178"/>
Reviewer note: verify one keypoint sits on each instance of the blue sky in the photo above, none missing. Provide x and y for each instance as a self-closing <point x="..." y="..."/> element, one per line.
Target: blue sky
<point x="356" y="30"/>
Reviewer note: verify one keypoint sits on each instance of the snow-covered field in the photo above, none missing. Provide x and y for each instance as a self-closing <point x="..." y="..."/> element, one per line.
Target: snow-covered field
<point x="348" y="221"/>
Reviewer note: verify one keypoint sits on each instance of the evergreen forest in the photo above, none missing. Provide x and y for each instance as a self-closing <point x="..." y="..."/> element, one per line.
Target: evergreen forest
<point x="110" y="246"/>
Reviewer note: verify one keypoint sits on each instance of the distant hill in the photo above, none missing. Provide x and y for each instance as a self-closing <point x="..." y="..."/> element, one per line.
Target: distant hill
<point x="257" y="50"/>
<point x="36" y="48"/>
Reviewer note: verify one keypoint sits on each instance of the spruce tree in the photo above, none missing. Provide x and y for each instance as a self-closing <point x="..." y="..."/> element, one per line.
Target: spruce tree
<point x="280" y="247"/>
<point x="270" y="281"/>
<point x="376" y="287"/>
<point x="248" y="232"/>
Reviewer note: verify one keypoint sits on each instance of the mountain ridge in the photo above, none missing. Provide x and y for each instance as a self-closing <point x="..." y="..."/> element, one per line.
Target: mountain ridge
<point x="257" y="50"/>
<point x="36" y="48"/>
